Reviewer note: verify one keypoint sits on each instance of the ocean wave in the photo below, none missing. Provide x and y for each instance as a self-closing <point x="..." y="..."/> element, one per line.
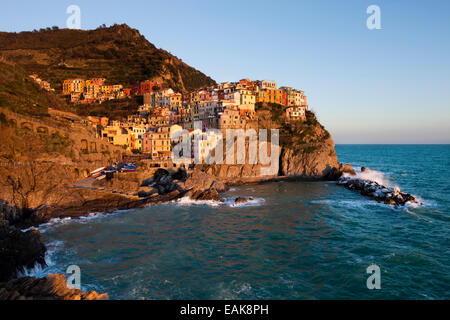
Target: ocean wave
<point x="373" y="175"/>
<point x="38" y="271"/>
<point x="186" y="201"/>
<point x="378" y="185"/>
<point x="355" y="204"/>
<point x="251" y="202"/>
<point x="234" y="290"/>
<point x="230" y="202"/>
<point x="42" y="228"/>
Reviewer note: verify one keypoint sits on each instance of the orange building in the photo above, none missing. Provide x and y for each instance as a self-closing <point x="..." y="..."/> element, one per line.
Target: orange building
<point x="272" y="96"/>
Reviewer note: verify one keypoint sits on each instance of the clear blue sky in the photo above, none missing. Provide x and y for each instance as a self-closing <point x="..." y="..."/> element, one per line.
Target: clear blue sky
<point x="366" y="86"/>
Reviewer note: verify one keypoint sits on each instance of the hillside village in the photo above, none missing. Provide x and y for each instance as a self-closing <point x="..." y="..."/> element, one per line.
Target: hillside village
<point x="229" y="105"/>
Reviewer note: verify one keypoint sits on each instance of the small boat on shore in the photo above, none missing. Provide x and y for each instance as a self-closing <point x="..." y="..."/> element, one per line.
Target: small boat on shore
<point x="126" y="167"/>
<point x="109" y="169"/>
<point x="97" y="171"/>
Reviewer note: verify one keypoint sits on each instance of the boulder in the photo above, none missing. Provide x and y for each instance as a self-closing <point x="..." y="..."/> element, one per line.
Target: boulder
<point x="160" y="173"/>
<point x="207" y="195"/>
<point x="181" y="175"/>
<point x="19" y="250"/>
<point x="210" y="194"/>
<point x="145" y="192"/>
<point x="336" y="173"/>
<point x="203" y="181"/>
<point x="374" y="190"/>
<point x="52" y="287"/>
<point x="240" y="200"/>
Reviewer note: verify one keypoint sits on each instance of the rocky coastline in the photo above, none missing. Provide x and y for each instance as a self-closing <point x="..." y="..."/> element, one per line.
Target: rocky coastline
<point x="20" y="251"/>
<point x="74" y="198"/>
<point x="52" y="287"/>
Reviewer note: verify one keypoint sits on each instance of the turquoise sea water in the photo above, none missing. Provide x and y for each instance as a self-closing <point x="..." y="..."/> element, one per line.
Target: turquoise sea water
<point x="296" y="240"/>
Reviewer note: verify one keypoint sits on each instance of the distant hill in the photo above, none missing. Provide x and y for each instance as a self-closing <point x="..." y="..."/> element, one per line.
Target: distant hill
<point x="118" y="53"/>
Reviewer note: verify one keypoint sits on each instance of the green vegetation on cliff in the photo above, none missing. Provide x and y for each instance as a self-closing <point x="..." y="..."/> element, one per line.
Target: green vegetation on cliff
<point x="113" y="109"/>
<point x="306" y="136"/>
<point x="118" y="53"/>
<point x="21" y="94"/>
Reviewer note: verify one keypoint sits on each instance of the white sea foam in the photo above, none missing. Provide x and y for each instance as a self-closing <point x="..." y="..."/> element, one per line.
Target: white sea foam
<point x="38" y="271"/>
<point x="234" y="290"/>
<point x="230" y="202"/>
<point x="373" y="175"/>
<point x="380" y="178"/>
<point x="356" y="204"/>
<point x="42" y="228"/>
<point x="251" y="202"/>
<point x="186" y="201"/>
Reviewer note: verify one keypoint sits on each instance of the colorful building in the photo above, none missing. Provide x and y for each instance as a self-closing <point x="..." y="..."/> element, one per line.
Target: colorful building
<point x="73" y="86"/>
<point x="295" y="113"/>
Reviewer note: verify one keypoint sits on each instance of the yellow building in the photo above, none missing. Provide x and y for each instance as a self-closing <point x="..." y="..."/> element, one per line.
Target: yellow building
<point x="175" y="101"/>
<point x="159" y="142"/>
<point x="248" y="99"/>
<point x="117" y="136"/>
<point x="73" y="86"/>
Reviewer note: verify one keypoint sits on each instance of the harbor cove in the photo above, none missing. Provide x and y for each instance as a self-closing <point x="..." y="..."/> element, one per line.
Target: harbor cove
<point x="295" y="240"/>
<point x="218" y="162"/>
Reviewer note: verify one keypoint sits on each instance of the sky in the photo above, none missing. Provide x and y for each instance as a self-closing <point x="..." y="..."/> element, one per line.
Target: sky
<point x="388" y="85"/>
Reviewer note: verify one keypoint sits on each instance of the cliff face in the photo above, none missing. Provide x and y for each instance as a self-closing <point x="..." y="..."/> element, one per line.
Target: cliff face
<point x="306" y="150"/>
<point x="316" y="164"/>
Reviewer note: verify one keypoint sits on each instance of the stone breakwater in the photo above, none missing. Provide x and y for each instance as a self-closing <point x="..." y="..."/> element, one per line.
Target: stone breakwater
<point x="376" y="191"/>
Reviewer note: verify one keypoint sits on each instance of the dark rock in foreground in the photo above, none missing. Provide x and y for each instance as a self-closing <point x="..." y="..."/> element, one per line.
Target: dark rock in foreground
<point x="374" y="190"/>
<point x="52" y="287"/>
<point x="19" y="251"/>
<point x="240" y="200"/>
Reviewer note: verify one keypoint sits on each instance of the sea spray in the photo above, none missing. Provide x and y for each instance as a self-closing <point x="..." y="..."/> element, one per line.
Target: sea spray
<point x="39" y="271"/>
<point x="373" y="184"/>
<point x="55" y="222"/>
<point x="230" y="202"/>
<point x="372" y="175"/>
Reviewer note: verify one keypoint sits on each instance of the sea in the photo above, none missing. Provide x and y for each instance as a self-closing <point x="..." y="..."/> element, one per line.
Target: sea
<point x="293" y="240"/>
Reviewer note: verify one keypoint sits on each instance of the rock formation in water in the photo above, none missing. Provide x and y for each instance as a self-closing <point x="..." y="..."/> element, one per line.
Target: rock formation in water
<point x="18" y="250"/>
<point x="374" y="190"/>
<point x="52" y="287"/>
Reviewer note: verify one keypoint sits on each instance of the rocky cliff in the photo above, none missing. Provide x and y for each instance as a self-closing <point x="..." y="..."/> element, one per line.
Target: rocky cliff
<point x="19" y="250"/>
<point x="307" y="151"/>
<point x="52" y="287"/>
